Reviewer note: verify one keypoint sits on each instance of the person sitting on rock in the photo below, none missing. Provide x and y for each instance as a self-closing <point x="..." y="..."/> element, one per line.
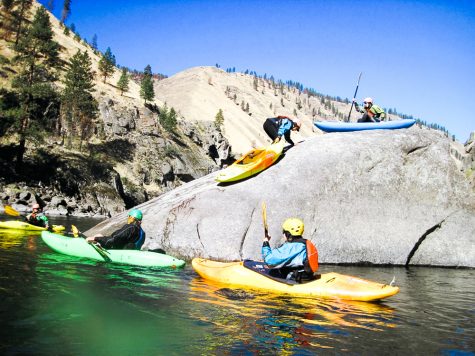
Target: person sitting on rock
<point x="279" y="126"/>
<point x="370" y="111"/>
<point x="36" y="217"/>
<point x="296" y="259"/>
<point x="129" y="237"/>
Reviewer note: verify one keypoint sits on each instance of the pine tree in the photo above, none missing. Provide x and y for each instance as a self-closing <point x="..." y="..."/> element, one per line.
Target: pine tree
<point x="123" y="83"/>
<point x="171" y="120"/>
<point x="66" y="10"/>
<point x="94" y="42"/>
<point x="146" y="86"/>
<point x="107" y="64"/>
<point x="219" y="120"/>
<point x="20" y="12"/>
<point x="37" y="55"/>
<point x="78" y="105"/>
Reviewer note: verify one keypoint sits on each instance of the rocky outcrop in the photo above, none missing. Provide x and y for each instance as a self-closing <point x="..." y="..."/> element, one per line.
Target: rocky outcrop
<point x="130" y="160"/>
<point x="379" y="197"/>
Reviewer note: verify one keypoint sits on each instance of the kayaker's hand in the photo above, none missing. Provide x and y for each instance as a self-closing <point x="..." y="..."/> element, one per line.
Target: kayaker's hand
<point x="277" y="139"/>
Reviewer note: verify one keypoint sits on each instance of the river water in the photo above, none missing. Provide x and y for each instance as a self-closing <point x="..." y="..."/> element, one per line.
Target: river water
<point x="60" y="305"/>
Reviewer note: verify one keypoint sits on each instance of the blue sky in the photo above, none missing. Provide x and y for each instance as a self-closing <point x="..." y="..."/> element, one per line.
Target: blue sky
<point x="416" y="56"/>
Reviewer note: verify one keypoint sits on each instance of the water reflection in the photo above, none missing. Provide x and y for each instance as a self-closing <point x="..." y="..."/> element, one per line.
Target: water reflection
<point x="53" y="303"/>
<point x="252" y="319"/>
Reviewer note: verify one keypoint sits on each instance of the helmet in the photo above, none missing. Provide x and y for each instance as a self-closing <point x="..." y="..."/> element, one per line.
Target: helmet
<point x="136" y="214"/>
<point x="368" y="100"/>
<point x="36" y="206"/>
<point x="294" y="226"/>
<point x="297" y="122"/>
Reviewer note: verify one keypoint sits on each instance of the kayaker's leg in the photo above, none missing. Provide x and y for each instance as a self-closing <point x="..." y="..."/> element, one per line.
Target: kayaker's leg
<point x="271" y="129"/>
<point x="366" y="118"/>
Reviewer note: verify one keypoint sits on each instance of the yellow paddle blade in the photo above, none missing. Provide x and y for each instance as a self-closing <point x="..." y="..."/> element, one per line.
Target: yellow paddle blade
<point x="75" y="230"/>
<point x="264" y="218"/>
<point x="10" y="211"/>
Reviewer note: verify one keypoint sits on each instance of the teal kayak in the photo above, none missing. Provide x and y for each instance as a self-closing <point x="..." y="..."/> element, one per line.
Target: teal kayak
<point x="78" y="247"/>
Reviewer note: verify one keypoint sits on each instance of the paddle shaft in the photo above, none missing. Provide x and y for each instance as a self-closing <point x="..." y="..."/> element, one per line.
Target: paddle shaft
<point x="100" y="250"/>
<point x="354" y="96"/>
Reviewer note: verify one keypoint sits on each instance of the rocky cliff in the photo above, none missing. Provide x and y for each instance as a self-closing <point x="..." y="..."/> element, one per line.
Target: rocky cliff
<point x="131" y="159"/>
<point x="380" y="197"/>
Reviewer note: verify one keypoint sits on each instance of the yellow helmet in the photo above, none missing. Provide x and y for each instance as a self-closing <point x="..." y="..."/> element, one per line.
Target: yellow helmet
<point x="294" y="226"/>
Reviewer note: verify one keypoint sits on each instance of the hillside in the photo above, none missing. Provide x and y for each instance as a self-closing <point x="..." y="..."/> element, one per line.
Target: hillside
<point x="130" y="157"/>
<point x="198" y="93"/>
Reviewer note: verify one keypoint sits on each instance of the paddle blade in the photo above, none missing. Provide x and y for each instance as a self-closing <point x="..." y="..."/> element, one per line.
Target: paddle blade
<point x="264" y="219"/>
<point x="10" y="211"/>
<point x="75" y="230"/>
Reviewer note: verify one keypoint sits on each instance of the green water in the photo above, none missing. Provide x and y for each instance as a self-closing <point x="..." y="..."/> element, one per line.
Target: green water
<point x="60" y="305"/>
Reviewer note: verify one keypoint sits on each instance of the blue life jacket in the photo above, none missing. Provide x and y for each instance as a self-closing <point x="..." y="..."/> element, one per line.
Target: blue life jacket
<point x="138" y="244"/>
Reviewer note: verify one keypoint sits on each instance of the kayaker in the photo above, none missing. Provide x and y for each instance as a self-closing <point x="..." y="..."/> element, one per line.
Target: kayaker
<point x="290" y="261"/>
<point x="36" y="217"/>
<point x="370" y="111"/>
<point x="276" y="127"/>
<point x="129" y="237"/>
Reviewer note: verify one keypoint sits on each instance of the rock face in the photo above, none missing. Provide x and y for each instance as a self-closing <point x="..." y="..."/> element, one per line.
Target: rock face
<point x="381" y="197"/>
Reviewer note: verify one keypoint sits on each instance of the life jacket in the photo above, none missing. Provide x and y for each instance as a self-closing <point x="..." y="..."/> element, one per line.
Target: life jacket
<point x="138" y="244"/>
<point x="311" y="262"/>
<point x="278" y="120"/>
<point x="376" y="111"/>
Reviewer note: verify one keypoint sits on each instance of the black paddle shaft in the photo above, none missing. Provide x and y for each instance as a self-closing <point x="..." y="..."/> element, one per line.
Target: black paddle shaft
<point x="354" y="96"/>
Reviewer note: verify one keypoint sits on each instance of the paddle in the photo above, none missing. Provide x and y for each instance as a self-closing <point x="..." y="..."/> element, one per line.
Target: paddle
<point x="100" y="250"/>
<point x="354" y="97"/>
<point x="264" y="220"/>
<point x="10" y="211"/>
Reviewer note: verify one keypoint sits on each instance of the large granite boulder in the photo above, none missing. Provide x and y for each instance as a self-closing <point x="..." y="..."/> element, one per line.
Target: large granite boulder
<point x="380" y="197"/>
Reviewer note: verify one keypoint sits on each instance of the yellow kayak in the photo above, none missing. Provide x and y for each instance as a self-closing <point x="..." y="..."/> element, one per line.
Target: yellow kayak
<point x="251" y="163"/>
<point x="24" y="226"/>
<point x="252" y="274"/>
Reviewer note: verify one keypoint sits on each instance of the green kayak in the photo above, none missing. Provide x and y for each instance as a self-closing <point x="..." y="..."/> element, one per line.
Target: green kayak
<point x="24" y="226"/>
<point x="78" y="247"/>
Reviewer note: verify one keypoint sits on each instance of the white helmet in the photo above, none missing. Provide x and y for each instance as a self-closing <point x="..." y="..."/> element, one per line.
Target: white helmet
<point x="368" y="100"/>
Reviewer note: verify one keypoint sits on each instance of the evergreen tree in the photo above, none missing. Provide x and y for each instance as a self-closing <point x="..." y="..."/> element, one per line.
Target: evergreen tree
<point x="94" y="42"/>
<point x="37" y="55"/>
<point x="219" y="120"/>
<point x="123" y="83"/>
<point x="79" y="107"/>
<point x="66" y="10"/>
<point x="107" y="64"/>
<point x="168" y="119"/>
<point x="146" y="86"/>
<point x="20" y="11"/>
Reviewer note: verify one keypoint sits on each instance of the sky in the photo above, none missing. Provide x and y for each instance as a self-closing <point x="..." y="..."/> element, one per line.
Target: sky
<point x="416" y="56"/>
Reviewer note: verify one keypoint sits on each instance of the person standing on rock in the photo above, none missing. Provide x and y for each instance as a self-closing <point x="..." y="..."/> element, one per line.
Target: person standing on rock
<point x="279" y="126"/>
<point x="370" y="111"/>
<point x="36" y="217"/>
<point x="129" y="237"/>
<point x="296" y="259"/>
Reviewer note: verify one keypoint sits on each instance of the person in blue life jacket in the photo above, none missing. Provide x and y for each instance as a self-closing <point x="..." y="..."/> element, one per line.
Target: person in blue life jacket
<point x="296" y="259"/>
<point x="129" y="237"/>
<point x="36" y="217"/>
<point x="276" y="127"/>
<point x="370" y="111"/>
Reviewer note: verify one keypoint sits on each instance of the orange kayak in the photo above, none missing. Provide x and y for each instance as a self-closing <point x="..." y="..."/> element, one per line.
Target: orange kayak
<point x="251" y="274"/>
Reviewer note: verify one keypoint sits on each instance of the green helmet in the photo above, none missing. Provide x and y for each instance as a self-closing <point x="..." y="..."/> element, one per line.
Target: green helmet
<point x="136" y="214"/>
